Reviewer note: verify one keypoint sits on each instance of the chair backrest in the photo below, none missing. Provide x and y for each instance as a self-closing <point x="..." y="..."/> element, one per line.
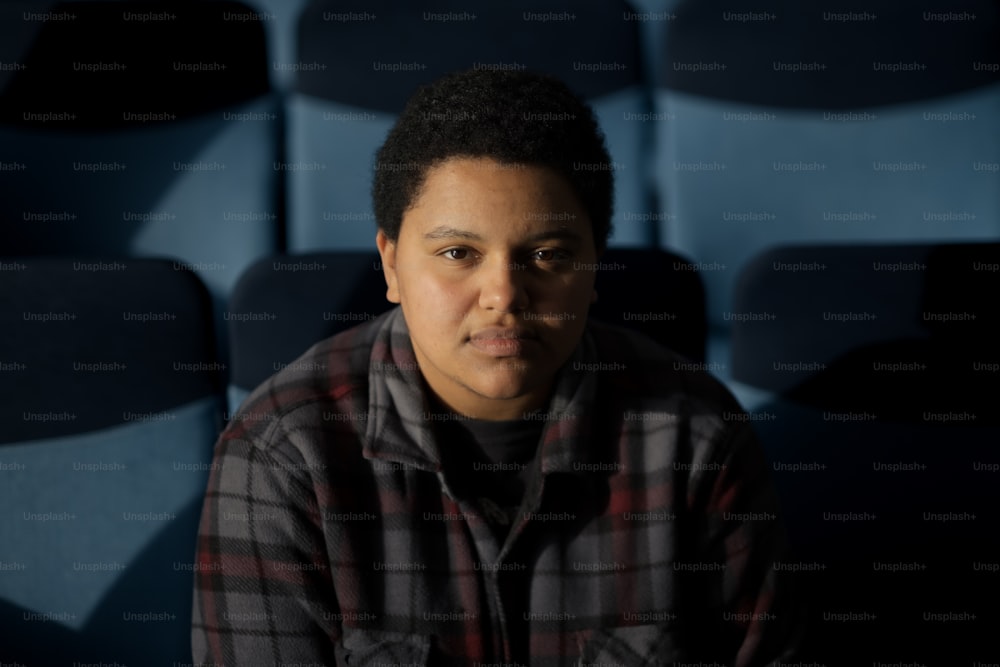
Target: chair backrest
<point x="360" y="61"/>
<point x="807" y="316"/>
<point x="110" y="402"/>
<point x="283" y="304"/>
<point x="656" y="292"/>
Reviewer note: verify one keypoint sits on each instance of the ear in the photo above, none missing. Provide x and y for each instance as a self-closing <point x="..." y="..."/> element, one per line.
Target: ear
<point x="387" y="251"/>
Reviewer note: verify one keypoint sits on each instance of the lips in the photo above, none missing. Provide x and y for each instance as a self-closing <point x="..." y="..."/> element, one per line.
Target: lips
<point x="503" y="341"/>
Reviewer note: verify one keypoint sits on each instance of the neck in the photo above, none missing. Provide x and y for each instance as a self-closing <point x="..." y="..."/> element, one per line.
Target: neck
<point x="474" y="406"/>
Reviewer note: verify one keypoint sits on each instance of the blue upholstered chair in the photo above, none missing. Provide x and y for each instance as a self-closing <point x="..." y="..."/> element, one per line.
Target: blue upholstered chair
<point x="110" y="401"/>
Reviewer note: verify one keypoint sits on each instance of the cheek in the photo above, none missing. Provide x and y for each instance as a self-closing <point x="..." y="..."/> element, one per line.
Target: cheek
<point x="572" y="296"/>
<point x="439" y="304"/>
<point x="569" y="304"/>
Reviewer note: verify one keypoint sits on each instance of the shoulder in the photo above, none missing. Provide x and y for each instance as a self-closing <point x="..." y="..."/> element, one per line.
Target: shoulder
<point x="672" y="412"/>
<point x="329" y="378"/>
<point x="658" y="395"/>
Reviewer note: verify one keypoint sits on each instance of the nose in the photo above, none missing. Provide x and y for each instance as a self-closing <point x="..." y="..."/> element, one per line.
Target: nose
<point x="503" y="287"/>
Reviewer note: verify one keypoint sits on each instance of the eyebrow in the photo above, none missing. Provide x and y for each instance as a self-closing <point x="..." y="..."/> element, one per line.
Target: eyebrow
<point x="445" y="232"/>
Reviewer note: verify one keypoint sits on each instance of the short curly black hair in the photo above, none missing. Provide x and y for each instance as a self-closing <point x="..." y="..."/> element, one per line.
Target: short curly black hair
<point x="514" y="117"/>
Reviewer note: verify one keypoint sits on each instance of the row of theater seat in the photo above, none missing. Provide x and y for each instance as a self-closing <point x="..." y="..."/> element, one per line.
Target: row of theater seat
<point x="872" y="377"/>
<point x="251" y="130"/>
<point x="870" y="373"/>
<point x="225" y="135"/>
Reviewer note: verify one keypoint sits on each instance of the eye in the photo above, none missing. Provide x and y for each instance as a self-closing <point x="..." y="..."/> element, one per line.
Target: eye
<point x="550" y="254"/>
<point x="457" y="254"/>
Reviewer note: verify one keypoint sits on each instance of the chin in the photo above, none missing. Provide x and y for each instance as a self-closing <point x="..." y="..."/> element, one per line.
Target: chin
<point x="503" y="386"/>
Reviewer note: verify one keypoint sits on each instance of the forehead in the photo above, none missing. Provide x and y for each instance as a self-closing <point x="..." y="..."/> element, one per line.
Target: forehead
<point x="484" y="196"/>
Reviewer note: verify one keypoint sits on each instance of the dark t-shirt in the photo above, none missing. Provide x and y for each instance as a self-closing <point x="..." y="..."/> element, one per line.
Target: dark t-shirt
<point x="490" y="462"/>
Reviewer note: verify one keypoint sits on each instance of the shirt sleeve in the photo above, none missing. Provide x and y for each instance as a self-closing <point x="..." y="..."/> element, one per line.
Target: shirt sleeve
<point x="263" y="591"/>
<point x="761" y="612"/>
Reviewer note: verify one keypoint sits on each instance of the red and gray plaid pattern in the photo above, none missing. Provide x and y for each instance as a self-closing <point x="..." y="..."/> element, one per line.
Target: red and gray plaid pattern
<point x="330" y="536"/>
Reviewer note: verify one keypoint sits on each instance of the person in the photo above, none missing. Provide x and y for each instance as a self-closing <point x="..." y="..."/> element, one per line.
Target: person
<point x="482" y="475"/>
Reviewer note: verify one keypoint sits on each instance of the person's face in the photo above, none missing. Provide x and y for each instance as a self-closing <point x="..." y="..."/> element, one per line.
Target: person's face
<point x="494" y="270"/>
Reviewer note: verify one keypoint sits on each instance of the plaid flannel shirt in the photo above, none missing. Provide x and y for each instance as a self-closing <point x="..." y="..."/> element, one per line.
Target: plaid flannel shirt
<point x="648" y="536"/>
